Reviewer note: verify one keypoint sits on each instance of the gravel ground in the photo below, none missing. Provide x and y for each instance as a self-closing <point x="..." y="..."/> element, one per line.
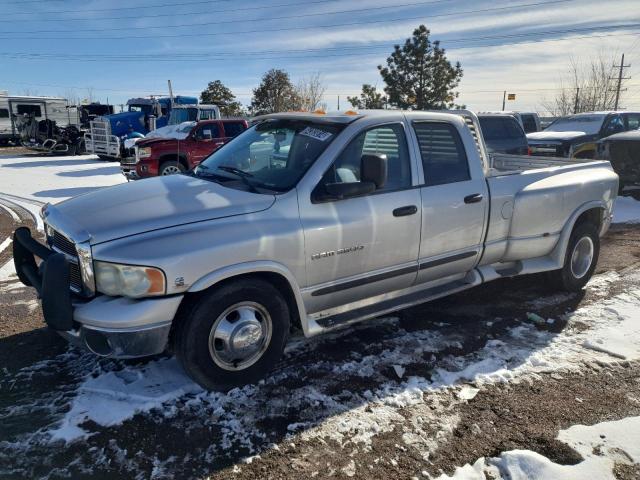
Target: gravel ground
<point x="300" y="423"/>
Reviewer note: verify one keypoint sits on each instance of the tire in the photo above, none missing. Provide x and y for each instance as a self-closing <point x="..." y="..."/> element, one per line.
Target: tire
<point x="171" y="168"/>
<point x="251" y="307"/>
<point x="80" y="148"/>
<point x="579" y="264"/>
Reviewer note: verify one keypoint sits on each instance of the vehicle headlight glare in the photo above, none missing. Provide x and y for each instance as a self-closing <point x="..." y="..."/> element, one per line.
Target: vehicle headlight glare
<point x="129" y="280"/>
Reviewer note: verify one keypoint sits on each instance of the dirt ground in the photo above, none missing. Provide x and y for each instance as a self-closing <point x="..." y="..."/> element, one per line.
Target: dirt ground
<point x="521" y="415"/>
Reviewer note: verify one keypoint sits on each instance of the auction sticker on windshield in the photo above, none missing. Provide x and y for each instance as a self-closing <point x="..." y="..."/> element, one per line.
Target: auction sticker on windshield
<point x="316" y="133"/>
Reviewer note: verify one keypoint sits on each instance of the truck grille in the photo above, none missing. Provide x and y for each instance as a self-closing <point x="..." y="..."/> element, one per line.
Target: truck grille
<point x="62" y="244"/>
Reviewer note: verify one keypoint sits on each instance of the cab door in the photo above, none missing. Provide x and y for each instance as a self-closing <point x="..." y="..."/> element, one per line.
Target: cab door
<point x="363" y="246"/>
<point x="454" y="201"/>
<point x="206" y="140"/>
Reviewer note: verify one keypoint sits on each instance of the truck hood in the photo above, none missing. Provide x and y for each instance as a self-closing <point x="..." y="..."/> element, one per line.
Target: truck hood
<point x="121" y="122"/>
<point x="149" y="142"/>
<point x="558" y="136"/>
<point x="151" y="204"/>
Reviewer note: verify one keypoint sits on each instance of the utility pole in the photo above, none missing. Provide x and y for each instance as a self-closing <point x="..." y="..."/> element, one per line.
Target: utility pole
<point x="504" y="99"/>
<point x="575" y="105"/>
<point x="622" y="66"/>
<point x="338" y="102"/>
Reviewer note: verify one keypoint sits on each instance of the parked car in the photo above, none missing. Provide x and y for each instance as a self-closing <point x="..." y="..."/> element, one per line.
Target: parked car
<point x="623" y="151"/>
<point x="577" y="135"/>
<point x="503" y="133"/>
<point x="365" y="213"/>
<point x="529" y="121"/>
<point x="187" y="145"/>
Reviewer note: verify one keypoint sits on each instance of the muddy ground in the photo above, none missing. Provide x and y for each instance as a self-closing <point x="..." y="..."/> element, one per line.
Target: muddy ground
<point x="187" y="442"/>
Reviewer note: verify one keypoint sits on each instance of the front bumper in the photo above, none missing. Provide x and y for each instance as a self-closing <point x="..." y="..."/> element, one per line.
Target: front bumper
<point x="108" y="326"/>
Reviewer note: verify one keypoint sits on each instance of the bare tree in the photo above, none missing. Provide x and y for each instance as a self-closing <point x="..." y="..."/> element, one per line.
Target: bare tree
<point x="310" y="91"/>
<point x="589" y="86"/>
<point x="90" y="97"/>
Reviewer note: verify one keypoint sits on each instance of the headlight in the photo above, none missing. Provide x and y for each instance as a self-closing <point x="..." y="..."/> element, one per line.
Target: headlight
<point x="129" y="280"/>
<point x="144" y="152"/>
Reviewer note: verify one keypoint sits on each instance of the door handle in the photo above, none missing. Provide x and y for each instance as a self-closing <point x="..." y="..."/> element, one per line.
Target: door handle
<point x="404" y="211"/>
<point x="475" y="198"/>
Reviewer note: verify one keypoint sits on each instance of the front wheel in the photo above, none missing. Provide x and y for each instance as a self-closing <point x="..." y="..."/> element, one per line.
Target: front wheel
<point x="234" y="335"/>
<point x="171" y="168"/>
<point x="580" y="259"/>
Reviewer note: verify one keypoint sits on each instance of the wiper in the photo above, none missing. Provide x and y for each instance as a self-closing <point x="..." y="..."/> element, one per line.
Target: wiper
<point x="242" y="175"/>
<point x="237" y="171"/>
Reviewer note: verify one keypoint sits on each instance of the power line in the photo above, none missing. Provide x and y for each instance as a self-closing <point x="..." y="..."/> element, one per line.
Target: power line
<point x="136" y="56"/>
<point x="339" y="51"/>
<point x="224" y="22"/>
<point x="96" y="10"/>
<point x="184" y="14"/>
<point x="306" y="27"/>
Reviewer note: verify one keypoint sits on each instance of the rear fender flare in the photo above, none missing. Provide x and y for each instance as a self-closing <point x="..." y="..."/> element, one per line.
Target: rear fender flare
<point x="560" y="249"/>
<point x="261" y="266"/>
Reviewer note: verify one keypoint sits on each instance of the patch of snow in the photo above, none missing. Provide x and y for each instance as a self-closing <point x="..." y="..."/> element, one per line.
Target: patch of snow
<point x="399" y="369"/>
<point x="115" y="396"/>
<point x="601" y="445"/>
<point x="626" y="210"/>
<point x="7" y="241"/>
<point x="56" y="178"/>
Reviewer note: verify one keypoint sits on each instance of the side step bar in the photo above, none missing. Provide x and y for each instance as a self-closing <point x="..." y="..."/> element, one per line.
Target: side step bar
<point x="395" y="304"/>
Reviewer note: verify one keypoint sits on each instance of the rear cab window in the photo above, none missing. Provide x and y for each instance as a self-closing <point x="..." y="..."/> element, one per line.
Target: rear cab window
<point x="444" y="158"/>
<point x="501" y="128"/>
<point x="4" y="113"/>
<point x="231" y="129"/>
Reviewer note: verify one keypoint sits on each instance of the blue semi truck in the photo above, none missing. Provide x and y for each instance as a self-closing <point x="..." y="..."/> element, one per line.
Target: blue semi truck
<point x="106" y="135"/>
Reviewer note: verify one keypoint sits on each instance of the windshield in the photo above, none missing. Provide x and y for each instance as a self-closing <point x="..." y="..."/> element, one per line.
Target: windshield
<point x="273" y="155"/>
<point x="589" y="124"/>
<point x="140" y="108"/>
<point x="179" y="115"/>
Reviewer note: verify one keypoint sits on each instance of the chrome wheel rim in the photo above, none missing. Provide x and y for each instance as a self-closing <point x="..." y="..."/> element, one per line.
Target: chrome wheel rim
<point x="170" y="170"/>
<point x="240" y="336"/>
<point x="582" y="257"/>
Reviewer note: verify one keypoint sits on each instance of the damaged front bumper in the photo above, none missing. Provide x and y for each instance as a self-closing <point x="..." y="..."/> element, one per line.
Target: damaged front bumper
<point x="108" y="326"/>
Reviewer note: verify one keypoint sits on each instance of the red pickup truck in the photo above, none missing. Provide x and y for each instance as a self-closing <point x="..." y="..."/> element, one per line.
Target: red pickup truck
<point x="190" y="144"/>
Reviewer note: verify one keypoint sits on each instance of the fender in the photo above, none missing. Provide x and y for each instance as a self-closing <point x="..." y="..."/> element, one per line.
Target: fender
<point x="560" y="250"/>
<point x="256" y="267"/>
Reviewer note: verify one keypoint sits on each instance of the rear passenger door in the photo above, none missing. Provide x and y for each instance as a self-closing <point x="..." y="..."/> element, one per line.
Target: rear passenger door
<point x="454" y="201"/>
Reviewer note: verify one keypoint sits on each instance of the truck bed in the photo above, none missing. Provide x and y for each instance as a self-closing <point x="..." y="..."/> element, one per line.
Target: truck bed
<point x="502" y="164"/>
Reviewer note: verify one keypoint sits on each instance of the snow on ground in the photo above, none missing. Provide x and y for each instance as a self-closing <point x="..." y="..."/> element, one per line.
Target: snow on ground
<point x="53" y="179"/>
<point x="601" y="445"/>
<point x="626" y="210"/>
<point x="109" y="396"/>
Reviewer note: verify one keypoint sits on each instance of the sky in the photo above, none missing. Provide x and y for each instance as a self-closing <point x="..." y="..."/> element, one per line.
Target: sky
<point x="117" y="49"/>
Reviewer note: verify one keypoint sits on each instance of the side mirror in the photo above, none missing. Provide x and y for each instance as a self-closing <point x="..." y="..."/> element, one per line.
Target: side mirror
<point x="373" y="169"/>
<point x="338" y="191"/>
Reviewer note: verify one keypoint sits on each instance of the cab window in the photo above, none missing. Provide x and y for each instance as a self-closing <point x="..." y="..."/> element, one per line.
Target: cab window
<point x="207" y="132"/>
<point x="633" y="121"/>
<point x="444" y="158"/>
<point x="388" y="140"/>
<point x="614" y="125"/>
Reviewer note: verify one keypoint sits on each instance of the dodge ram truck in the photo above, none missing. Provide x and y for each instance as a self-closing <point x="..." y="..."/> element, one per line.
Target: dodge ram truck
<point x="188" y="144"/>
<point x="310" y="221"/>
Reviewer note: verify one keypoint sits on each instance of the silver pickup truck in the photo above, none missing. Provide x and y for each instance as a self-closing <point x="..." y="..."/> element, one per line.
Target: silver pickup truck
<point x="308" y="220"/>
